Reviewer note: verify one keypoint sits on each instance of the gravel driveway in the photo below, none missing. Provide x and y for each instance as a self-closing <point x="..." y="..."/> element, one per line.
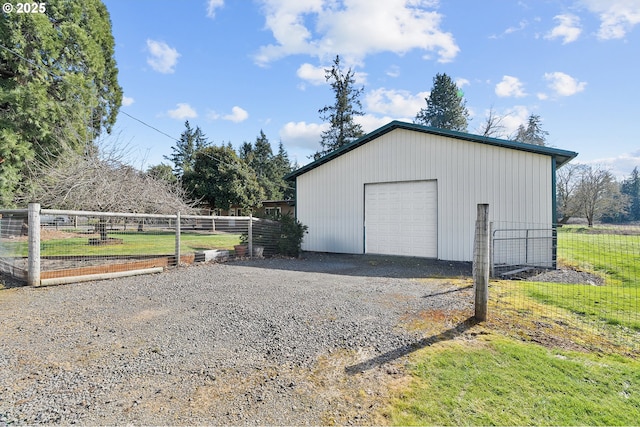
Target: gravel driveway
<point x="317" y="340"/>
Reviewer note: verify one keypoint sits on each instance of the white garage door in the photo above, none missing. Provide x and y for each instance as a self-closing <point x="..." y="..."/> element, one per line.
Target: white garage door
<point x="401" y="218"/>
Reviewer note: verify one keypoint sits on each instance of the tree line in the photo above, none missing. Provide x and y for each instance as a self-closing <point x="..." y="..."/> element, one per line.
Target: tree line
<point x="584" y="191"/>
<point x="593" y="193"/>
<point x="222" y="177"/>
<point x="59" y="93"/>
<point x="445" y="109"/>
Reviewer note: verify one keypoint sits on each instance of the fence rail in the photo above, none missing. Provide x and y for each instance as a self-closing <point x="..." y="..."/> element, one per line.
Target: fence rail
<point x="46" y="246"/>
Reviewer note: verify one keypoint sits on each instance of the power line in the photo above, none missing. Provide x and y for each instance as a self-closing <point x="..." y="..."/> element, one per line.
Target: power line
<point x="149" y="126"/>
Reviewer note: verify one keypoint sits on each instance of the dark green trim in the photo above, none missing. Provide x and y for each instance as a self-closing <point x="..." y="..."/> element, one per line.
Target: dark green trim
<point x="554" y="198"/>
<point x="560" y="156"/>
<point x="554" y="214"/>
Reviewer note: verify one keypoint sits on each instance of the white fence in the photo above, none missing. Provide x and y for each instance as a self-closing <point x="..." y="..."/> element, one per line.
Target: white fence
<point x="44" y="246"/>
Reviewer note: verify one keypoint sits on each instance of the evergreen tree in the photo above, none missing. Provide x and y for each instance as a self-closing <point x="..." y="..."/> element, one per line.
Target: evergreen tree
<point x="446" y="108"/>
<point x="283" y="167"/>
<point x="533" y="133"/>
<point x="631" y="188"/>
<point x="220" y="178"/>
<point x="184" y="152"/>
<point x="162" y="172"/>
<point x="341" y="115"/>
<point x="270" y="169"/>
<point x="58" y="82"/>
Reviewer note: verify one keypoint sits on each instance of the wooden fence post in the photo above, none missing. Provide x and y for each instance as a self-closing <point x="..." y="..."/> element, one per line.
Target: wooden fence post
<point x="481" y="258"/>
<point x="178" y="239"/>
<point x="33" y="262"/>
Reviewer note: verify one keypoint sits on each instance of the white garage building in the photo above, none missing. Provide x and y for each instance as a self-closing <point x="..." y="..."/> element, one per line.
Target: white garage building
<point x="406" y="189"/>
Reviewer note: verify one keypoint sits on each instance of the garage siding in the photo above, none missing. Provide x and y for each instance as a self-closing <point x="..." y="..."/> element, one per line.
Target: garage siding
<point x="517" y="185"/>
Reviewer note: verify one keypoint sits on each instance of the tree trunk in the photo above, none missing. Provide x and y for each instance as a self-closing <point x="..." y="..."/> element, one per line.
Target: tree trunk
<point x="102" y="228"/>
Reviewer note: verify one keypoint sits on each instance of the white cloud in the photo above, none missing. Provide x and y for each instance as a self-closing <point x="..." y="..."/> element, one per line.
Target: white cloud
<point x="510" y="87"/>
<point x="460" y="82"/>
<point x="183" y="111"/>
<point x="163" y="58"/>
<point x="620" y="166"/>
<point x="311" y="74"/>
<point x="617" y="17"/>
<point x="302" y="134"/>
<point x="354" y="29"/>
<point x="396" y="103"/>
<point x="568" y="28"/>
<point x="212" y="5"/>
<point x="370" y="122"/>
<point x="521" y="26"/>
<point x="513" y="118"/>
<point x="237" y="115"/>
<point x="317" y="75"/>
<point x="126" y="101"/>
<point x="563" y="84"/>
<point x="393" y="71"/>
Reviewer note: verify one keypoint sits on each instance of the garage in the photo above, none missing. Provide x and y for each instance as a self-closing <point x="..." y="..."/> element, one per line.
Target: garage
<point x="401" y="218"/>
<point x="412" y="190"/>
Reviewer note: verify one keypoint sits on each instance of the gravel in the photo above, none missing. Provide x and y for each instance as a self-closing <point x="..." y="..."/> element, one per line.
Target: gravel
<point x="568" y="276"/>
<point x="278" y="341"/>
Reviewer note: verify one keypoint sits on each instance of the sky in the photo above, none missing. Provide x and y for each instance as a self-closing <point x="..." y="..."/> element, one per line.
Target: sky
<point x="236" y="67"/>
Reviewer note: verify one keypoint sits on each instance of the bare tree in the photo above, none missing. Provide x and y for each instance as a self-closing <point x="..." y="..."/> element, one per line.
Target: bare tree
<point x="99" y="180"/>
<point x="567" y="183"/>
<point x="492" y="126"/>
<point x="598" y="193"/>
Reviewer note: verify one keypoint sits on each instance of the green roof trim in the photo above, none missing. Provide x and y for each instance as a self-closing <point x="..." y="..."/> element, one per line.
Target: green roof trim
<point x="561" y="156"/>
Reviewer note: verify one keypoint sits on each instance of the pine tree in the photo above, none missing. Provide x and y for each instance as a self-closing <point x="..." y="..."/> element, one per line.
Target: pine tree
<point x="283" y="167"/>
<point x="184" y="152"/>
<point x="446" y="108"/>
<point x="631" y="188"/>
<point x="341" y="116"/>
<point x="533" y="133"/>
<point x="270" y="169"/>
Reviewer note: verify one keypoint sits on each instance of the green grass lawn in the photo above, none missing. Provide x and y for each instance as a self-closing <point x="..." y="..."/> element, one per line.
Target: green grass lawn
<point x="614" y="257"/>
<point x="520" y="367"/>
<point x="134" y="243"/>
<point x="501" y="381"/>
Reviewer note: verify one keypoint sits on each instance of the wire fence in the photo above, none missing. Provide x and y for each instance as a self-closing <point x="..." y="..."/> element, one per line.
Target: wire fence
<point x="559" y="272"/>
<point x="55" y="246"/>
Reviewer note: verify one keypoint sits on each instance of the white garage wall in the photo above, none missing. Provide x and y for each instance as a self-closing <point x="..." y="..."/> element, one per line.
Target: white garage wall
<point x="516" y="184"/>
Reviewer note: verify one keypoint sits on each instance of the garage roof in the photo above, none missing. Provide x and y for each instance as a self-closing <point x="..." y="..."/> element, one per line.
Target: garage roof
<point x="561" y="156"/>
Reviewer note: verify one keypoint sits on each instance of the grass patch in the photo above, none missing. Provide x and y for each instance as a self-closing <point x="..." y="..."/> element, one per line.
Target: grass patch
<point x="601" y="250"/>
<point x="604" y="251"/>
<point x="134" y="243"/>
<point x="615" y="305"/>
<point x="550" y="353"/>
<point x="500" y="381"/>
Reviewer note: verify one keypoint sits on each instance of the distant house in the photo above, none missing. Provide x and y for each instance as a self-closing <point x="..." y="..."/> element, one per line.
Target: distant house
<point x="269" y="207"/>
<point x="406" y="189"/>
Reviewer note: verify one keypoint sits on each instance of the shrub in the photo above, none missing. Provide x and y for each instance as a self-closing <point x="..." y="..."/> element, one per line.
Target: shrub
<point x="287" y="236"/>
<point x="292" y="233"/>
